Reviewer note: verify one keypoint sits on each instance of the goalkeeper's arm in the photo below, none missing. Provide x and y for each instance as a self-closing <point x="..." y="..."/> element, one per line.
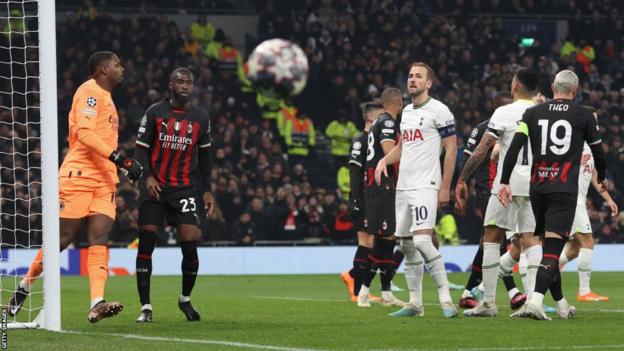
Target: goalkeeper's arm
<point x="129" y="166"/>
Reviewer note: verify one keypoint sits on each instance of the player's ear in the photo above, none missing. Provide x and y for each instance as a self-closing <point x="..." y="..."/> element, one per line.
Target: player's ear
<point x="429" y="84"/>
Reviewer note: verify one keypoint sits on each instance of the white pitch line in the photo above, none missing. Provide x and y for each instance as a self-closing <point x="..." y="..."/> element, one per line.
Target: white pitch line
<point x="293" y="298"/>
<point x="527" y="348"/>
<point x="243" y="345"/>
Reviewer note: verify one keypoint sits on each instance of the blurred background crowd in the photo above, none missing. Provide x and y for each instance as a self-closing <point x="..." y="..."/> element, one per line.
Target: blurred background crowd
<point x="276" y="185"/>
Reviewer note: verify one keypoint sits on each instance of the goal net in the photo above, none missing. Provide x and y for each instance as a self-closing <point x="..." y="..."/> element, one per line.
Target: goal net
<point x="28" y="159"/>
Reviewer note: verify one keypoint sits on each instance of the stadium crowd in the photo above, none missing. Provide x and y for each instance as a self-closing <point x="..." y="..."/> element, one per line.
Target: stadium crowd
<point x="355" y="50"/>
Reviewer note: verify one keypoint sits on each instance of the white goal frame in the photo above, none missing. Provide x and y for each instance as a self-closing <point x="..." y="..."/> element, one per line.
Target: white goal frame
<point x="50" y="316"/>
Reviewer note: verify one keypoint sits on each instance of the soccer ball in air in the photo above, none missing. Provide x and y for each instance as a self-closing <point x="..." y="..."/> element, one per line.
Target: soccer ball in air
<point x="278" y="68"/>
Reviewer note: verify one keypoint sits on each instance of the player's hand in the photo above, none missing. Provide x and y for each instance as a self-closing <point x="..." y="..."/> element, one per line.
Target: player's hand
<point x="130" y="167"/>
<point x="614" y="208"/>
<point x="504" y="195"/>
<point x="153" y="187"/>
<point x="444" y="196"/>
<point x="209" y="202"/>
<point x="585" y="158"/>
<point x="382" y="168"/>
<point x="461" y="197"/>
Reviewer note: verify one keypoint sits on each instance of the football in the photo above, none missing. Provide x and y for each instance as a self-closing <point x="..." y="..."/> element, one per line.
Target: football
<point x="278" y="68"/>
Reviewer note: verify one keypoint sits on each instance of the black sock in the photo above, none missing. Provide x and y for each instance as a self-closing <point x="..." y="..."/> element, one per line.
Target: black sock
<point x="548" y="271"/>
<point x="386" y="267"/>
<point x="360" y="268"/>
<point x="190" y="265"/>
<point x="147" y="242"/>
<point x="476" y="275"/>
<point x="374" y="261"/>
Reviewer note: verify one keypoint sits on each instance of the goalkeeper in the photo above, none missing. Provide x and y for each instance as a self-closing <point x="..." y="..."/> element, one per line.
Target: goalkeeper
<point x="88" y="181"/>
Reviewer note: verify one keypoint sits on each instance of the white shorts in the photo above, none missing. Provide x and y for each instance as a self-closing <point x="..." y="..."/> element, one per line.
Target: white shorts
<point x="415" y="210"/>
<point x="581" y="217"/>
<point x="516" y="218"/>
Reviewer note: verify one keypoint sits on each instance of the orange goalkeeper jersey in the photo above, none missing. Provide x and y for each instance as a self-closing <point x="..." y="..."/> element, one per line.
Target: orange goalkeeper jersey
<point x="92" y="110"/>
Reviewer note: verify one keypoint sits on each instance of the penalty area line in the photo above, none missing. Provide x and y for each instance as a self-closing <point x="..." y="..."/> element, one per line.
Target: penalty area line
<point x="242" y="345"/>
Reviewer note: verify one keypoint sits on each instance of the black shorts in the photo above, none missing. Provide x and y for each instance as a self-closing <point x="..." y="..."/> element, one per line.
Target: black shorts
<point x="359" y="221"/>
<point x="554" y="212"/>
<point x="481" y="200"/>
<point x="178" y="204"/>
<point x="380" y="214"/>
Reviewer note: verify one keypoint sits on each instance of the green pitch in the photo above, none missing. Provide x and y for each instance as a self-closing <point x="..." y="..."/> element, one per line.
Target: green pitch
<point x="313" y="313"/>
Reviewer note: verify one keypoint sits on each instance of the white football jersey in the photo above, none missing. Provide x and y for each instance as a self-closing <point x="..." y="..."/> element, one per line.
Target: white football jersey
<point x="503" y="125"/>
<point x="585" y="174"/>
<point x="422" y="129"/>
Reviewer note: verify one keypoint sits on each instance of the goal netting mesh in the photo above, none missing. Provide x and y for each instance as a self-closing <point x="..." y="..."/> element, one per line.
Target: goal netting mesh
<point x="20" y="152"/>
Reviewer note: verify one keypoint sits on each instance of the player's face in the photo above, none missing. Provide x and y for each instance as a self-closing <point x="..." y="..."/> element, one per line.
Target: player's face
<point x="417" y="81"/>
<point x="181" y="86"/>
<point x="115" y="70"/>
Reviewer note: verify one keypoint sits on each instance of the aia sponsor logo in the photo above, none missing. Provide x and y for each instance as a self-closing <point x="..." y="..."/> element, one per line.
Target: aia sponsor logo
<point x="412" y="135"/>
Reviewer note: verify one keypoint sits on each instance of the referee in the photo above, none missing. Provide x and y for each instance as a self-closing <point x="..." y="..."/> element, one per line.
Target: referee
<point x="556" y="130"/>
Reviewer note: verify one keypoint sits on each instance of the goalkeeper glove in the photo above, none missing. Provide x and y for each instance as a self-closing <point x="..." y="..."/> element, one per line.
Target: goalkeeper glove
<point x="130" y="167"/>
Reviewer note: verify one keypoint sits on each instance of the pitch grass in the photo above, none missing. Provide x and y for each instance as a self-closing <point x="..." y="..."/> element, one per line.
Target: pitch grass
<point x="312" y="312"/>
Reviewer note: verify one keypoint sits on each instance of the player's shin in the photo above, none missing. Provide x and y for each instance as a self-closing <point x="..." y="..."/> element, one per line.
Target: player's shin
<point x="475" y="273"/>
<point x="190" y="266"/>
<point x="534" y="257"/>
<point x="97" y="266"/>
<point x="491" y="263"/>
<point x="386" y="267"/>
<point x="584" y="270"/>
<point x="34" y="271"/>
<point x="548" y="273"/>
<point x="360" y="267"/>
<point x="147" y="243"/>
<point x="414" y="271"/>
<point x="507" y="264"/>
<point x="435" y="265"/>
<point x="522" y="269"/>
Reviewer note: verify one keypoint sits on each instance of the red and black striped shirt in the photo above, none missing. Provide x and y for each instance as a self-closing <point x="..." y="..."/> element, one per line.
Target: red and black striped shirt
<point x="174" y="138"/>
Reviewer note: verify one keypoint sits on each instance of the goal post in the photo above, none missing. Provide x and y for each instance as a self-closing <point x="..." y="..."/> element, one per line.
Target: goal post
<point x="29" y="216"/>
<point x="49" y="166"/>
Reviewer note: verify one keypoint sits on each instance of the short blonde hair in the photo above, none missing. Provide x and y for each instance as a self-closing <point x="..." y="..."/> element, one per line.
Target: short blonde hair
<point x="566" y="82"/>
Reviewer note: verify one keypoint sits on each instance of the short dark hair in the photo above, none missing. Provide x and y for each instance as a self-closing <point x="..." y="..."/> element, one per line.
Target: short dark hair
<point x="180" y="70"/>
<point x="500" y="97"/>
<point x="98" y="59"/>
<point x="371" y="106"/>
<point x="390" y="93"/>
<point x="529" y="79"/>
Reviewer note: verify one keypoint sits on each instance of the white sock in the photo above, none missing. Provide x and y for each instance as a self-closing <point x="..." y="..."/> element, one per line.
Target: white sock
<point x="147" y="306"/>
<point x="534" y="258"/>
<point x="466" y="294"/>
<point x="185" y="298"/>
<point x="435" y="265"/>
<point x="507" y="264"/>
<point x="522" y="267"/>
<point x="489" y="268"/>
<point x="563" y="259"/>
<point x="512" y="293"/>
<point x="364" y="291"/>
<point x="414" y="271"/>
<point x="387" y="295"/>
<point x="24" y="286"/>
<point x="562" y="304"/>
<point x="537" y="299"/>
<point x="584" y="269"/>
<point x="96" y="300"/>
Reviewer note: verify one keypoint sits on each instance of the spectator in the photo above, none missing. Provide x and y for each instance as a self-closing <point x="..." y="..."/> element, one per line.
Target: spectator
<point x="244" y="230"/>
